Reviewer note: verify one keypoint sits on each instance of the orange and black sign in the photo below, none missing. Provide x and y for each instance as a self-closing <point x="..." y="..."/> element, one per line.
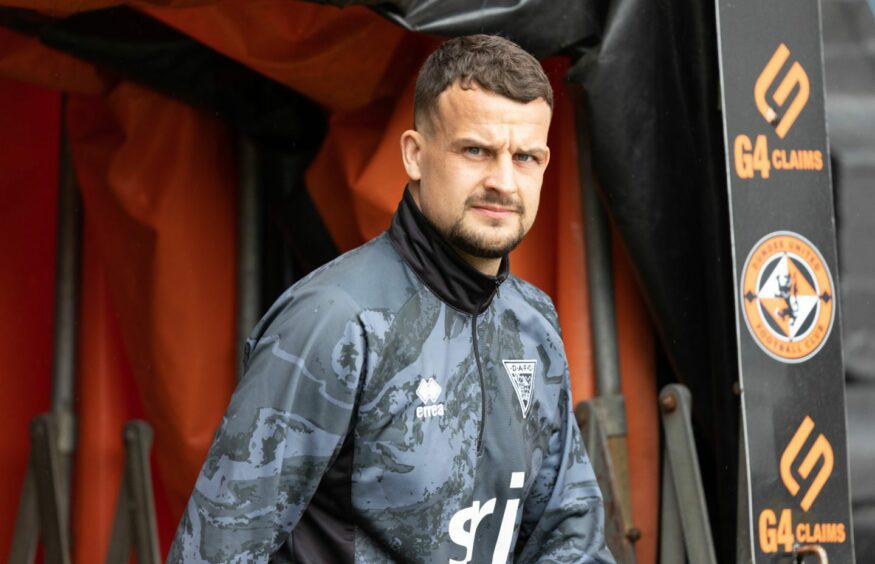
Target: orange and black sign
<point x="787" y="302"/>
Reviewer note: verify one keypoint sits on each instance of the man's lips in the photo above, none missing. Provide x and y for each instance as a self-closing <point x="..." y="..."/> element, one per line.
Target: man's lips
<point x="493" y="211"/>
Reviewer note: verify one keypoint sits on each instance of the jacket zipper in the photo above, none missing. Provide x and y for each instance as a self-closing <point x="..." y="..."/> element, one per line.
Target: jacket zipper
<point x="482" y="384"/>
<point x="480" y="370"/>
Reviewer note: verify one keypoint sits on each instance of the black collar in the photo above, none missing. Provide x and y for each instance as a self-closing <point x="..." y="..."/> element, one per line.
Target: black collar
<point x="453" y="280"/>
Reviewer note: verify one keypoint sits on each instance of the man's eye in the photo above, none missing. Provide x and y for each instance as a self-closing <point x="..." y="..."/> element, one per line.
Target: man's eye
<point x="476" y="151"/>
<point x="525" y="157"/>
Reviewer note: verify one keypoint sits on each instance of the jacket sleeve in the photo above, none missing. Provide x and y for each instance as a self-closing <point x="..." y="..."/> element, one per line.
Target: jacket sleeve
<point x="283" y="427"/>
<point x="571" y="527"/>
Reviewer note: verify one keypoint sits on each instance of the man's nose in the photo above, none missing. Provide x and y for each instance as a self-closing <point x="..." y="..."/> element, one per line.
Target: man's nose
<point x="501" y="174"/>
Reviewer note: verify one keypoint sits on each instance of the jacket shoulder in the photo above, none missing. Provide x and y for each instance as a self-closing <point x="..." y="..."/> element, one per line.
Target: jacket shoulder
<point x="373" y="276"/>
<point x="535" y="298"/>
<point x="369" y="277"/>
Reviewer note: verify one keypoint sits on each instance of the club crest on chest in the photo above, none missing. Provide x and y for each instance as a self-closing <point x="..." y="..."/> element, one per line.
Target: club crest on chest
<point x="522" y="376"/>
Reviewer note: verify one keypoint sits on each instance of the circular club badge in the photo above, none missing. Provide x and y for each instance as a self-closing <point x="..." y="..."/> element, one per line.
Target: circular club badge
<point x="787" y="297"/>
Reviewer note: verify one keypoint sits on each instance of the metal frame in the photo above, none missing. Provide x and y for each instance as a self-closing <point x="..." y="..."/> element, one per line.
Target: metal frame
<point x="44" y="504"/>
<point x="43" y="510"/>
<point x="135" y="524"/>
<point x="610" y="406"/>
<point x="685" y="528"/>
<point x="26" y="534"/>
<point x="68" y="259"/>
<point x="594" y="421"/>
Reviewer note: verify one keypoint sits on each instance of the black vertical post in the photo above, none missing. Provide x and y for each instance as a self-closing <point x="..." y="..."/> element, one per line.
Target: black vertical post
<point x="66" y="310"/>
<point x="248" y="247"/>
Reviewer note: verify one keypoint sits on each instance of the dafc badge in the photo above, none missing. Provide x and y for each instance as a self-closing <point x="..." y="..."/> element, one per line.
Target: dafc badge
<point x="787" y="297"/>
<point x="522" y="376"/>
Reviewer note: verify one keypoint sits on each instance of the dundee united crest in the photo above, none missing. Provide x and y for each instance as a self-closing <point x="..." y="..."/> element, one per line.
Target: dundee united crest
<point x="787" y="297"/>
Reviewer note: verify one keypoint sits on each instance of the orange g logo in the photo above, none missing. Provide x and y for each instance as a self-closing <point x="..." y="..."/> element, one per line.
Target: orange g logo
<point x="796" y="76"/>
<point x="820" y="450"/>
<point x="787" y="297"/>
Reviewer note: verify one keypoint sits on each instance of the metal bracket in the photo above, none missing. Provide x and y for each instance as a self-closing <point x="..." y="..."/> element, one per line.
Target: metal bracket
<point x="799" y="552"/>
<point x="42" y="510"/>
<point x="594" y="421"/>
<point x="685" y="527"/>
<point x="26" y="535"/>
<point x="135" y="525"/>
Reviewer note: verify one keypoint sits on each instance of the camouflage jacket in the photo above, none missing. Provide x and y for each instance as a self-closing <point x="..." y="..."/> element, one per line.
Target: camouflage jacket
<point x="399" y="406"/>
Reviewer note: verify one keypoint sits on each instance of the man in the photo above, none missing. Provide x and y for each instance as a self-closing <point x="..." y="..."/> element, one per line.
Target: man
<point x="410" y="400"/>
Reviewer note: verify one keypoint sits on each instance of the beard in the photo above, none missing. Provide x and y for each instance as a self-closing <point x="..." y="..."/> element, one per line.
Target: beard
<point x="480" y="243"/>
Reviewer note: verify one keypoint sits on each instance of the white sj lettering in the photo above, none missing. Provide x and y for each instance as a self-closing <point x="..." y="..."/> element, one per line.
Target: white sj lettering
<point x="464" y="536"/>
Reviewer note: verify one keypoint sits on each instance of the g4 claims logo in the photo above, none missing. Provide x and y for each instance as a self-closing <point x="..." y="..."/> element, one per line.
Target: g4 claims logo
<point x="751" y="152"/>
<point x="795" y="77"/>
<point x="820" y="450"/>
<point x="776" y="526"/>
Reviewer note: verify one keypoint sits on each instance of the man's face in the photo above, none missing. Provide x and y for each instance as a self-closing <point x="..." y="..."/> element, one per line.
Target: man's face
<point x="476" y="168"/>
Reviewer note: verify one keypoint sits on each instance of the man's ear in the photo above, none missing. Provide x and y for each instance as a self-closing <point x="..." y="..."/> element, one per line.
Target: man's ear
<point x="411" y="153"/>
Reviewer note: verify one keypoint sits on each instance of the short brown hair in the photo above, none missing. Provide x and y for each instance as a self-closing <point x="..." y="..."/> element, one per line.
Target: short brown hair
<point x="491" y="62"/>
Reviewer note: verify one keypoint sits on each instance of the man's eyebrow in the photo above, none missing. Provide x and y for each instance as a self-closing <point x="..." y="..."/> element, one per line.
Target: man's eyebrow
<point x="538" y="151"/>
<point x="472" y="142"/>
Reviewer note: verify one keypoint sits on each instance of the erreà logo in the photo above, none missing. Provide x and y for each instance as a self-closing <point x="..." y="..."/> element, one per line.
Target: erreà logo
<point x="428" y="392"/>
<point x="820" y="450"/>
<point x="796" y="76"/>
<point x="787" y="297"/>
<point x="522" y="376"/>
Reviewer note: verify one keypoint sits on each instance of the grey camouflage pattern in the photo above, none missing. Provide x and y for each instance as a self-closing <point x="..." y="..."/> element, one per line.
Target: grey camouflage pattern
<point x="344" y="351"/>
